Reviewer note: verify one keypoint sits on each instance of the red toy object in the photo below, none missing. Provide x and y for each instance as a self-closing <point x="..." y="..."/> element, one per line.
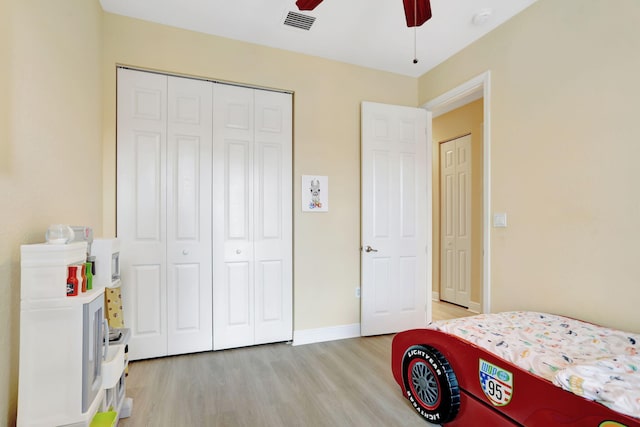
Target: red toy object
<point x="72" y="281"/>
<point x="455" y="382"/>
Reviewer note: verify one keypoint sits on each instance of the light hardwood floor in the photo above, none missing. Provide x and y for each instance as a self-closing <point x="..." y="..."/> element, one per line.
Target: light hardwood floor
<point x="338" y="383"/>
<point x="443" y="310"/>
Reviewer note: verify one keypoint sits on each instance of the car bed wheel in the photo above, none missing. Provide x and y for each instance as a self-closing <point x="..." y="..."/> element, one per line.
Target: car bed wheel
<point x="430" y="383"/>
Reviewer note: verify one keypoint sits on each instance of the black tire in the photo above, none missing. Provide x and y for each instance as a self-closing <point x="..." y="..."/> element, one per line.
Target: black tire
<point x="430" y="383"/>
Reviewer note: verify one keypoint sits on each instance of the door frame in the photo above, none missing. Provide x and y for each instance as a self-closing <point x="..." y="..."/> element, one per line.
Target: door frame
<point x="475" y="88"/>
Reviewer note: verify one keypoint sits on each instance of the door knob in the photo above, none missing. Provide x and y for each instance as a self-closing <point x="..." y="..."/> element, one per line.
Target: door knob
<point x="370" y="249"/>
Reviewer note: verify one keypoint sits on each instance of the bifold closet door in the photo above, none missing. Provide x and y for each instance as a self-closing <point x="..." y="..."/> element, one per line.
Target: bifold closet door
<point x="141" y="209"/>
<point x="252" y="296"/>
<point x="164" y="212"/>
<point x="189" y="186"/>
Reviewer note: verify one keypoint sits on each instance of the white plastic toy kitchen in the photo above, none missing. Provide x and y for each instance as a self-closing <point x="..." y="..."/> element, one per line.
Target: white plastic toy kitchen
<point x="70" y="372"/>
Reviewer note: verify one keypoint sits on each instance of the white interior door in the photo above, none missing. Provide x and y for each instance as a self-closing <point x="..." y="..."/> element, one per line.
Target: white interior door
<point x="455" y="214"/>
<point x="189" y="182"/>
<point x="273" y="239"/>
<point x="164" y="212"/>
<point x="234" y="295"/>
<point x="396" y="219"/>
<point x="141" y="209"/>
<point x="252" y="299"/>
<point x="183" y="227"/>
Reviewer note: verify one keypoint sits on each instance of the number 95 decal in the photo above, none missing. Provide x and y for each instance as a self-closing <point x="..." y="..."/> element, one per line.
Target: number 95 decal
<point x="496" y="383"/>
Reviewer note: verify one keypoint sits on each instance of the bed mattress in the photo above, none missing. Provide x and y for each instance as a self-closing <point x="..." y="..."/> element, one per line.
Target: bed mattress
<point x="594" y="362"/>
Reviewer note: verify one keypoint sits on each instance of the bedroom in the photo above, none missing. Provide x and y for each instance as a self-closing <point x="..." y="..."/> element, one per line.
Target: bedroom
<point x="562" y="161"/>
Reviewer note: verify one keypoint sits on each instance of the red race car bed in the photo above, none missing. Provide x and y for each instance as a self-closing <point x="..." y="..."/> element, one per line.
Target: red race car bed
<point x="520" y="369"/>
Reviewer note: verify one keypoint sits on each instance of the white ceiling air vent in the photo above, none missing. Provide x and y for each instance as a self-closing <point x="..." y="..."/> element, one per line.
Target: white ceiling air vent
<point x="298" y="20"/>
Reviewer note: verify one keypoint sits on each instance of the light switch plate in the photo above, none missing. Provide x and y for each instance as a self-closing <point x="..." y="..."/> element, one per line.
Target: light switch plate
<point x="499" y="220"/>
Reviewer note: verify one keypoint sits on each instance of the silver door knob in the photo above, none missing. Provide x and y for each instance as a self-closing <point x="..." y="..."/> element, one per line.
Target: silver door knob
<point x="185" y="252"/>
<point x="370" y="249"/>
<point x="238" y="251"/>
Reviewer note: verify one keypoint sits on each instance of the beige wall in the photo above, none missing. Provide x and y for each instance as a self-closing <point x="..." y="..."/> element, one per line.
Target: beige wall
<point x="327" y="98"/>
<point x="50" y="168"/>
<point x="9" y="288"/>
<point x="564" y="162"/>
<point x="454" y="124"/>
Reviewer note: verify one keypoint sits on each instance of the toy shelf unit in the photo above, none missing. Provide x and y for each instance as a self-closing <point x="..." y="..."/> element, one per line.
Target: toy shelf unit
<point x="66" y="365"/>
<point x="115" y="375"/>
<point x="106" y="253"/>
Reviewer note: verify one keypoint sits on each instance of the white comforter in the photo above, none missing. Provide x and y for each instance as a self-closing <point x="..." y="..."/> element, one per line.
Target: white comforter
<point x="597" y="363"/>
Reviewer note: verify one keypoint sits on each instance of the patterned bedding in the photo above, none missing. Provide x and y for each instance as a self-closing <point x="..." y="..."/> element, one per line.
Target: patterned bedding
<point x="595" y="362"/>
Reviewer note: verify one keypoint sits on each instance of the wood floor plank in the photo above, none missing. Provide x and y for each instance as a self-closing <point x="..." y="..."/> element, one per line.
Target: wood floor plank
<point x="443" y="310"/>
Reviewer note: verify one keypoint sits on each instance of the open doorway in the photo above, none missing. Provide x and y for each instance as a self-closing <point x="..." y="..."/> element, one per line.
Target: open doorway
<point x="468" y="102"/>
<point x="457" y="187"/>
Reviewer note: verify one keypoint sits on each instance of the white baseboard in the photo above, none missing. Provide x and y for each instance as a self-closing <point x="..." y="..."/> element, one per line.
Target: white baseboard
<point x="435" y="296"/>
<point x="332" y="333"/>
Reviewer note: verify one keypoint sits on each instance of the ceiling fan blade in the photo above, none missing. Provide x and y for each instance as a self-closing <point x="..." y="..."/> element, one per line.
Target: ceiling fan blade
<point x="417" y="12"/>
<point x="307" y="4"/>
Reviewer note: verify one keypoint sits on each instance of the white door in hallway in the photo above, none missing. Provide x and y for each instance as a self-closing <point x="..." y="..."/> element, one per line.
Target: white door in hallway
<point x="455" y="214"/>
<point x="164" y="212"/>
<point x="396" y="219"/>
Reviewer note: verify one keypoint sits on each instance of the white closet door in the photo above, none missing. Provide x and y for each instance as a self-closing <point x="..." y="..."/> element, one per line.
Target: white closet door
<point x="141" y="208"/>
<point x="252" y="299"/>
<point x="189" y="315"/>
<point x="164" y="212"/>
<point x="182" y="213"/>
<point x="233" y="295"/>
<point x="272" y="226"/>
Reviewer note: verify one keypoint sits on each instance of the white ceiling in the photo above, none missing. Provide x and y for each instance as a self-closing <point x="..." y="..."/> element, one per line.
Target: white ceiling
<point x="370" y="33"/>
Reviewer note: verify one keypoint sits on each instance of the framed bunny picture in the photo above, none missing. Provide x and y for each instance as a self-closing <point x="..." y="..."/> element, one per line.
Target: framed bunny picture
<point x="315" y="193"/>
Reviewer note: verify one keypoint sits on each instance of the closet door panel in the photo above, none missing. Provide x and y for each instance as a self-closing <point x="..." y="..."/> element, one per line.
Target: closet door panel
<point x="189" y="210"/>
<point x="273" y="217"/>
<point x="149" y="212"/>
<point x="145" y="281"/>
<point x="237" y="197"/>
<point x="238" y="290"/>
<point x="238" y="322"/>
<point x="270" y="304"/>
<point x="233" y="258"/>
<point x="269" y="181"/>
<point x="187" y="180"/>
<point x="141" y="208"/>
<point x="186" y="296"/>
